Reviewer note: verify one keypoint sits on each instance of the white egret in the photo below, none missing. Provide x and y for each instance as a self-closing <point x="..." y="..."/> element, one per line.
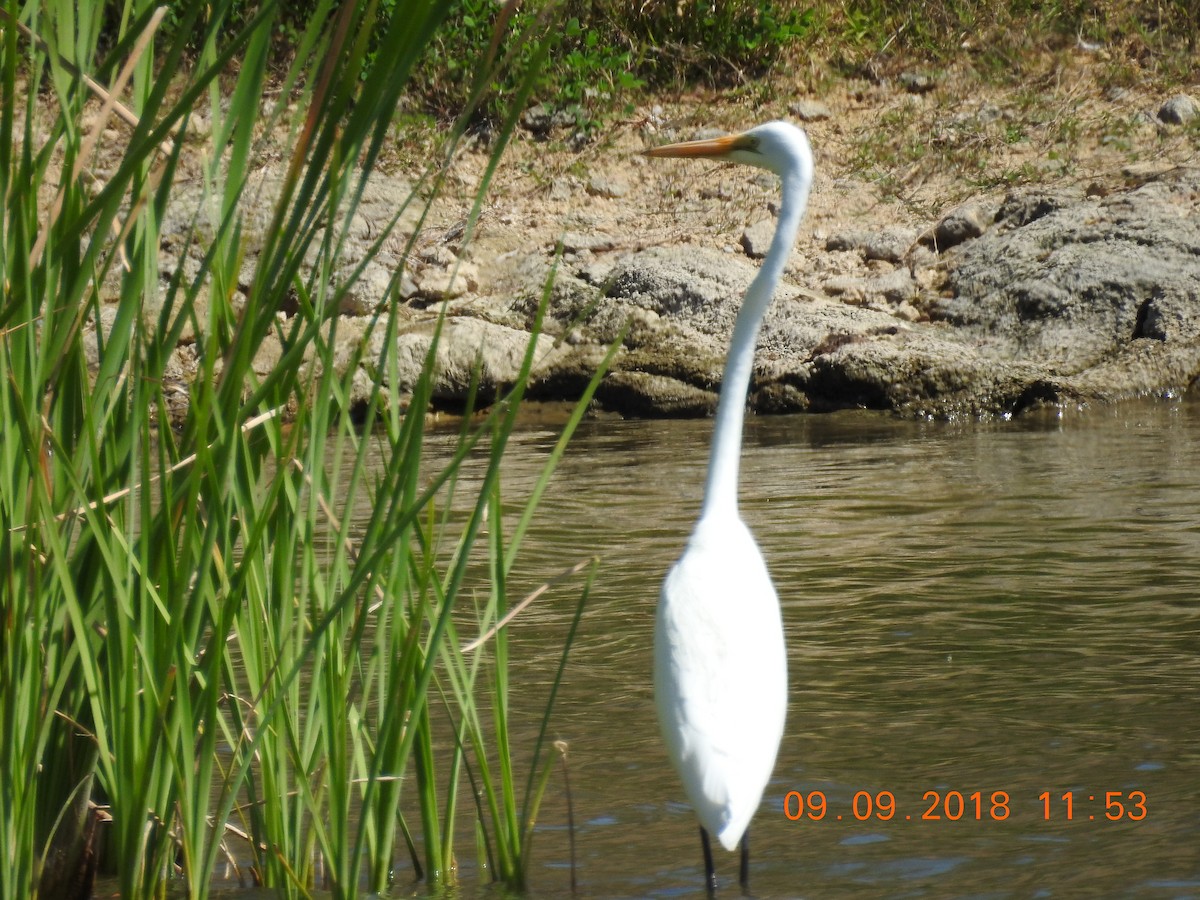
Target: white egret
<point x="720" y="664"/>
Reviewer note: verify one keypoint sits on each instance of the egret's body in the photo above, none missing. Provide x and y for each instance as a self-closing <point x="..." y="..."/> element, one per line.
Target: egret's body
<point x="720" y="664"/>
<point x="721" y="675"/>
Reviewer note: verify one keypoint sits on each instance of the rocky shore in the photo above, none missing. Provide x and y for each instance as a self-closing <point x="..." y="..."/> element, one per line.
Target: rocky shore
<point x="1072" y="290"/>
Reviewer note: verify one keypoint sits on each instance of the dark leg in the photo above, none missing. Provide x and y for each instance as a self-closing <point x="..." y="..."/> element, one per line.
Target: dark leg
<point x="744" y="868"/>
<point x="710" y="876"/>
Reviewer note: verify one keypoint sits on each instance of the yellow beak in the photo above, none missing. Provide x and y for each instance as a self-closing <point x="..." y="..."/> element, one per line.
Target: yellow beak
<point x="713" y="148"/>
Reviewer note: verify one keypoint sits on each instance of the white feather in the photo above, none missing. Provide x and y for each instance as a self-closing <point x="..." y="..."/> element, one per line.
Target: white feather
<point x="720" y="674"/>
<point x="720" y="664"/>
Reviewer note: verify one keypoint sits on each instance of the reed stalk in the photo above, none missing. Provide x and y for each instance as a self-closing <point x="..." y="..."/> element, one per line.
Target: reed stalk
<point x="207" y="653"/>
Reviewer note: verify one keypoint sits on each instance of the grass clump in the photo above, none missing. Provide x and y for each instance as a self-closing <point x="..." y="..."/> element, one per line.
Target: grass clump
<point x="203" y="654"/>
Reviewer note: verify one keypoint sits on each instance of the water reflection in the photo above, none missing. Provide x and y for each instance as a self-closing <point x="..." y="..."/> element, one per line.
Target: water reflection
<point x="969" y="607"/>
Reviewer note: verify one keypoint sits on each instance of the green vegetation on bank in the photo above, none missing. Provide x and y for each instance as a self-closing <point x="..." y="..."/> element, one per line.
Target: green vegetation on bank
<point x="608" y="54"/>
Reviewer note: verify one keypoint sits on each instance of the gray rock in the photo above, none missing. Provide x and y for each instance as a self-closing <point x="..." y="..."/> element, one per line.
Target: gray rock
<point x="719" y="191"/>
<point x="560" y="189"/>
<point x="959" y="225"/>
<point x="1070" y="299"/>
<point x="988" y="112"/>
<point x="810" y="110"/>
<point x="756" y="240"/>
<point x="648" y="394"/>
<point x="1179" y="110"/>
<point x="446" y="284"/>
<point x="594" y="242"/>
<point x="465" y="346"/>
<point x="848" y="240"/>
<point x="889" y="245"/>
<point x="1021" y="208"/>
<point x="540" y="119"/>
<point x="1087" y="285"/>
<point x="894" y="287"/>
<point x="602" y="186"/>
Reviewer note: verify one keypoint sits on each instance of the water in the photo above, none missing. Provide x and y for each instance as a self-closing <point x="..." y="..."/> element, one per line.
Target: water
<point x="972" y="608"/>
<point x="981" y="618"/>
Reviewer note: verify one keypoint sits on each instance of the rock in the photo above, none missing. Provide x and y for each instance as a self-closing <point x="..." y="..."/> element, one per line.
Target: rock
<point x="959" y="225"/>
<point x="447" y="284"/>
<point x="720" y="191"/>
<point x="894" y="287"/>
<point x="1179" y="110"/>
<point x="602" y="186"/>
<point x="847" y="240"/>
<point x="1021" y="208"/>
<point x="919" y="373"/>
<point x="677" y="306"/>
<point x="810" y="110"/>
<point x="540" y="119"/>
<point x="646" y="394"/>
<point x="756" y="240"/>
<point x="266" y="360"/>
<point x="368" y="292"/>
<point x="578" y="241"/>
<point x="988" y="112"/>
<point x="1085" y="284"/>
<point x="889" y="245"/>
<point x="595" y="272"/>
<point x="560" y="189"/>
<point x="466" y="345"/>
<point x="437" y="254"/>
<point x="1064" y="302"/>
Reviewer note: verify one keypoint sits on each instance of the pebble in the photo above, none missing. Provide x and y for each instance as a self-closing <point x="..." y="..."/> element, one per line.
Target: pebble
<point x="889" y="244"/>
<point x="578" y="241"/>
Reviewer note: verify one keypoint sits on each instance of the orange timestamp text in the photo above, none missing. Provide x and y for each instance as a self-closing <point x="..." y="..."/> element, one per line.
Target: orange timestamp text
<point x="978" y="806"/>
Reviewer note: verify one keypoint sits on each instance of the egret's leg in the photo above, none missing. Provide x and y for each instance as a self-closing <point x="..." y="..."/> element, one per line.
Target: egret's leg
<point x="744" y="868"/>
<point x="710" y="876"/>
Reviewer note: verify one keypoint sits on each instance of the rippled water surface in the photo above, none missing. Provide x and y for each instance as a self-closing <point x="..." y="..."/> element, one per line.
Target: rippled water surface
<point x="1006" y="607"/>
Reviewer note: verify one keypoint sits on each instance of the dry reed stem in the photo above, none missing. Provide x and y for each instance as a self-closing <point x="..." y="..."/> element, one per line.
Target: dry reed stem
<point x="126" y="491"/>
<point x="533" y="595"/>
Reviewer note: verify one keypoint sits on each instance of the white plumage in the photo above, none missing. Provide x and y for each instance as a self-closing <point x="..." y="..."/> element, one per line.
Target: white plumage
<point x="720" y="663"/>
<point x="720" y="678"/>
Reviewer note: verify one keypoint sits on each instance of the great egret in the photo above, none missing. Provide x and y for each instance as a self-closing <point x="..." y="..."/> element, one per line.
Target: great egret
<point x="720" y="664"/>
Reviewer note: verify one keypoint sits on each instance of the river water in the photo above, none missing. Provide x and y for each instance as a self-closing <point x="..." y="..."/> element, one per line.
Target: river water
<point x="994" y="656"/>
<point x="984" y="622"/>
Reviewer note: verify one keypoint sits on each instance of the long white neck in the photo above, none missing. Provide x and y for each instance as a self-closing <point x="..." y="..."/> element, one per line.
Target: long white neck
<point x="721" y="488"/>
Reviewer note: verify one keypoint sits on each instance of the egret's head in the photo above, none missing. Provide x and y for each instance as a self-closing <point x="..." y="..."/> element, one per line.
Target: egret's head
<point x="778" y="147"/>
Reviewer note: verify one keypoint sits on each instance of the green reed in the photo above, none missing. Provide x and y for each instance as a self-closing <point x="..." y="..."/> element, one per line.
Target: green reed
<point x="200" y="632"/>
